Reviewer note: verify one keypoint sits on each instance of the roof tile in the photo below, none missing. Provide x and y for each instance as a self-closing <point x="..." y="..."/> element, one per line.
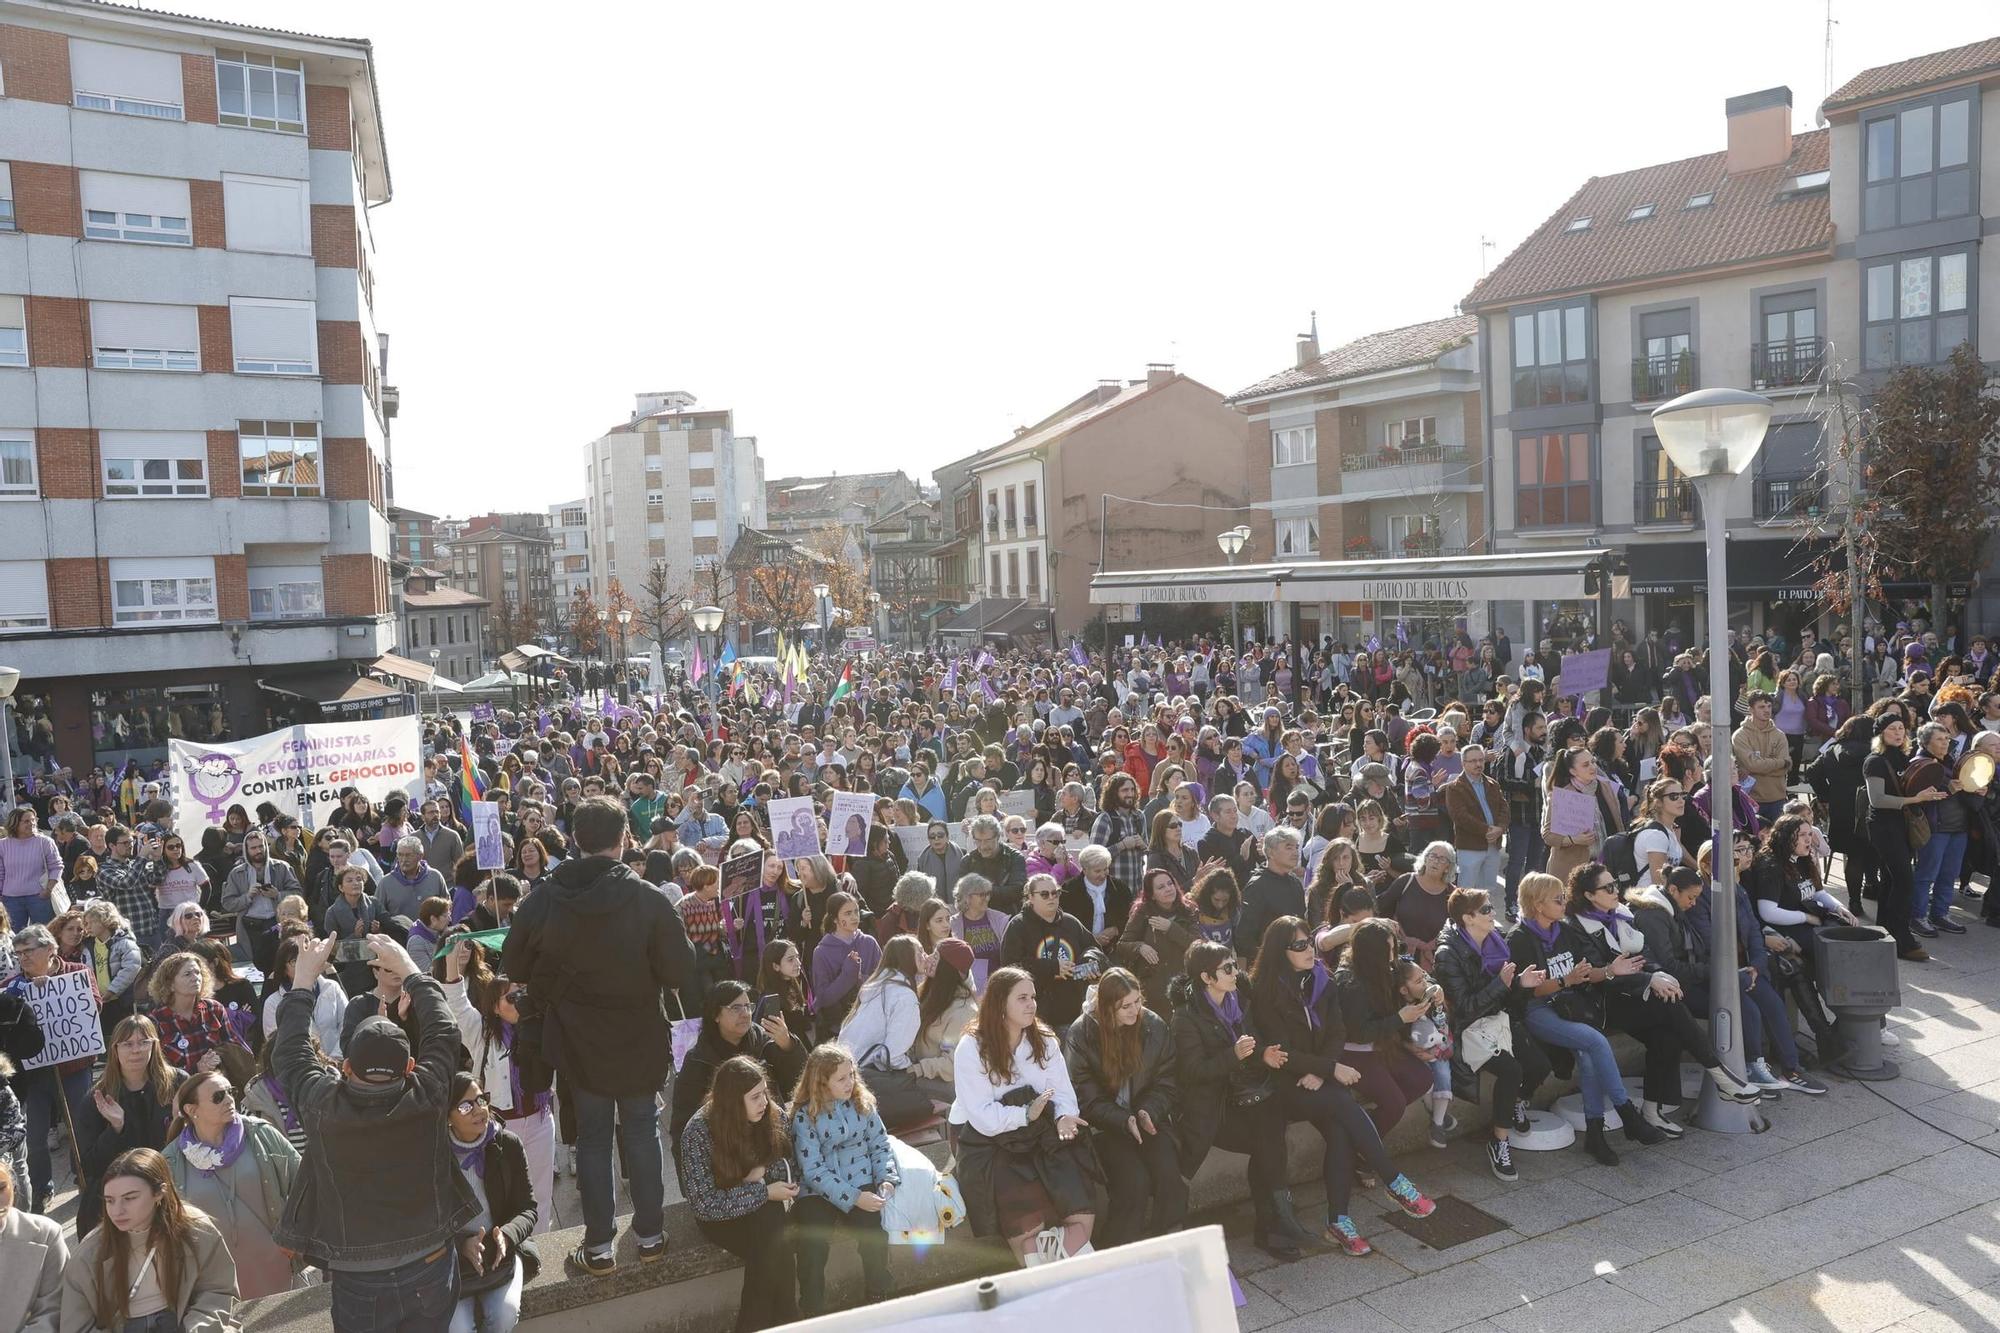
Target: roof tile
<point x="1918" y="72"/>
<point x="1391" y="349"/>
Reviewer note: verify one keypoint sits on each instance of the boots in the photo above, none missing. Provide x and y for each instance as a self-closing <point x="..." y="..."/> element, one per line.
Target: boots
<point x="1270" y="1235"/>
<point x="1637" y="1129"/>
<point x="1288" y="1218"/>
<point x="1595" y="1143"/>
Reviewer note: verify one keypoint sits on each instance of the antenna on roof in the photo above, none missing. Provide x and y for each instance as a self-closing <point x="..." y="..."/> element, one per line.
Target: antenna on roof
<point x="1486" y="243"/>
<point x="1826" y="74"/>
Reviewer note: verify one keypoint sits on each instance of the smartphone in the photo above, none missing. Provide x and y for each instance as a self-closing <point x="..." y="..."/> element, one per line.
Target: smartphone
<point x="770" y="1006"/>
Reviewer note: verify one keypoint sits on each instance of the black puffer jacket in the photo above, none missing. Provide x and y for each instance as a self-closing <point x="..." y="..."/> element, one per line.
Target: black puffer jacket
<point x="1470" y="994"/>
<point x="1153" y="1089"/>
<point x="1206" y="1070"/>
<point x="1314" y="1043"/>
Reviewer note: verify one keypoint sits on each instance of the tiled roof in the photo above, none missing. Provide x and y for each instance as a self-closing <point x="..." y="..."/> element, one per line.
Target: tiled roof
<point x="440" y="597"/>
<point x="1752" y="217"/>
<point x="1022" y="445"/>
<point x="1412" y="345"/>
<point x="1920" y="72"/>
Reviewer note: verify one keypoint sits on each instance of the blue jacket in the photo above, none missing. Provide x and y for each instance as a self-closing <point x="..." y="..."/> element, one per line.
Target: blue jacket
<point x="1749" y="930"/>
<point x="841" y="1153"/>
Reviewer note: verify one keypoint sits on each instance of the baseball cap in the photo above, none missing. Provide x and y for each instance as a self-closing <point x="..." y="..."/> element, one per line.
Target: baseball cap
<point x="378" y="1050"/>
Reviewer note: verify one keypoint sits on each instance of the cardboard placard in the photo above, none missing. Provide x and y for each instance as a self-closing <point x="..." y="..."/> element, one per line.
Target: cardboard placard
<point x="847" y="827"/>
<point x="487" y="842"/>
<point x="66" y="1007"/>
<point x="794" y="828"/>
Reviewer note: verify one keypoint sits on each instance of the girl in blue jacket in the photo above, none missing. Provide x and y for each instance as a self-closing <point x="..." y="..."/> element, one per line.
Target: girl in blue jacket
<point x="847" y="1172"/>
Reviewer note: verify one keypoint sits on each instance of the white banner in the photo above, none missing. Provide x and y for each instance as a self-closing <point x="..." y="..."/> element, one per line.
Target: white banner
<point x="66" y="1007"/>
<point x="301" y="770"/>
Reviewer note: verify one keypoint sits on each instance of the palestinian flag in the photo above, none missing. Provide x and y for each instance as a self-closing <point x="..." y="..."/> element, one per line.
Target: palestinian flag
<point x="844" y="686"/>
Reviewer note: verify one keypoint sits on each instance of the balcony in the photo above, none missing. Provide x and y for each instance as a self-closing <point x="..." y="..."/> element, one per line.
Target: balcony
<point x="1413" y="548"/>
<point x="1786" y="365"/>
<point x="1408" y="469"/>
<point x="1665" y="504"/>
<point x="1658" y="378"/>
<point x="1794" y="498"/>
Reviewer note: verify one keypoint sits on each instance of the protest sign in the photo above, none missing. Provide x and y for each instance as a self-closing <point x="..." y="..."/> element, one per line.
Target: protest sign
<point x="847" y="826"/>
<point x="794" y="829"/>
<point x="915" y="839"/>
<point x="740" y="874"/>
<point x="486" y="840"/>
<point x="482" y="712"/>
<point x="1020" y="803"/>
<point x="1584" y="672"/>
<point x="1572" y="813"/>
<point x="300" y="770"/>
<point x="66" y="1007"/>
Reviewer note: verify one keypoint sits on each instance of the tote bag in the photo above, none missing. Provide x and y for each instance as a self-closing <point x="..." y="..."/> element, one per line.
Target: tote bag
<point x="1485" y="1038"/>
<point x="926" y="1205"/>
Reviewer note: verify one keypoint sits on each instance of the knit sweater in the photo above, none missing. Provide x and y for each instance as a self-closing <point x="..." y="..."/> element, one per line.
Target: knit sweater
<point x="709" y="1201"/>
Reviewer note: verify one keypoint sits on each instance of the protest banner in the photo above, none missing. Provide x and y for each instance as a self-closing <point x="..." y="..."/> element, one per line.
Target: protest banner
<point x="487" y="843"/>
<point x="915" y="839"/>
<point x="847" y="825"/>
<point x="1584" y="672"/>
<point x="740" y="874"/>
<point x="1020" y="803"/>
<point x="66" y="1007"/>
<point x="482" y="712"/>
<point x="300" y="770"/>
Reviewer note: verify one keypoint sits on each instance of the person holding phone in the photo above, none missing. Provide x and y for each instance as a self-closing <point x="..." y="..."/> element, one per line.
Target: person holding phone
<point x="496" y="1250"/>
<point x="735" y="1172"/>
<point x="252" y="892"/>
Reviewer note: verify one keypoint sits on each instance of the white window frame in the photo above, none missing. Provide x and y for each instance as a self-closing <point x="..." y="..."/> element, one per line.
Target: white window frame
<point x="105" y="356"/>
<point x="1297" y="537"/>
<point x="7" y="196"/>
<point x="171" y="591"/>
<point x="103" y="224"/>
<point x="28" y="615"/>
<point x="1293" y="446"/>
<point x="251" y="63"/>
<point x="261" y="431"/>
<point x="15" y="490"/>
<point x="128" y="106"/>
<point x="259" y="365"/>
<point x="284" y="592"/>
<point x="13" y="331"/>
<point x="125" y="103"/>
<point x="1399" y="436"/>
<point x="134" y="468"/>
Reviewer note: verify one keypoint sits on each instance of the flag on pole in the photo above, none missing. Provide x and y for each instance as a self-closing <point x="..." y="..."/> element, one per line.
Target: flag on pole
<point x="843" y="687"/>
<point x="728" y="655"/>
<point x="1077" y="655"/>
<point x="699" y="669"/>
<point x="470" y="788"/>
<point x="986" y="684"/>
<point x="950" y="681"/>
<point x="985" y="658"/>
<point x="784" y="653"/>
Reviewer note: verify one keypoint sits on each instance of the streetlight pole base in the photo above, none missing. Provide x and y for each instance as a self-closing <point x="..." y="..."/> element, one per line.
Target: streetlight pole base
<point x="1718" y="1115"/>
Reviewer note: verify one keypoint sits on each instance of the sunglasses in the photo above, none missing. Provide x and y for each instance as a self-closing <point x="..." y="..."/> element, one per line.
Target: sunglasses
<point x="1299" y="946"/>
<point x="1486" y="910"/>
<point x="221" y="1097"/>
<point x="1226" y="969"/>
<point x="518" y="996"/>
<point x="1045" y="895"/>
<point x="467" y="1106"/>
<point x="1673" y="796"/>
<point x="1608" y="887"/>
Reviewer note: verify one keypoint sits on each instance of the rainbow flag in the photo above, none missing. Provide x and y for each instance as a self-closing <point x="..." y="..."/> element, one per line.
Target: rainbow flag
<point x="470" y="788"/>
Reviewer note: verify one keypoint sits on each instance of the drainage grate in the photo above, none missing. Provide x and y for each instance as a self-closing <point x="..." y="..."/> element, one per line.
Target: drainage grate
<point x="1454" y="1223"/>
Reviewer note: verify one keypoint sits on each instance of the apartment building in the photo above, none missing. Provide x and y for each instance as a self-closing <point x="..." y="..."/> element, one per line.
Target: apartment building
<point x="916" y="572"/>
<point x="413" y="537"/>
<point x="675" y="485"/>
<point x="1858" y="245"/>
<point x="450" y="622"/>
<point x="803" y="506"/>
<point x="192" y="428"/>
<point x="506" y="560"/>
<point x="569" y="557"/>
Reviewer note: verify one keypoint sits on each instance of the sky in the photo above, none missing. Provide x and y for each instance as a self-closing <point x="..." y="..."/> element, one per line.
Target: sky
<point x="886" y="234"/>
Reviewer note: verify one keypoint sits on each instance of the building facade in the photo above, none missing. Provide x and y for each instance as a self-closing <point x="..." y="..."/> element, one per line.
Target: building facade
<point x="413" y="538"/>
<point x="804" y="506"/>
<point x="569" y="557"/>
<point x="674" y="485"/>
<point x="193" y="441"/>
<point x="449" y="621"/>
<point x="506" y="560"/>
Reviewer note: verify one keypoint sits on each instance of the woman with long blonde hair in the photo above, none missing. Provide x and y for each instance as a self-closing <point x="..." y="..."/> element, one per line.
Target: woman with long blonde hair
<point x="847" y="1173"/>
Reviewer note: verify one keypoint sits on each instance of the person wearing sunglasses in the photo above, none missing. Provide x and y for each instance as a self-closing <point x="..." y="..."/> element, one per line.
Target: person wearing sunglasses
<point x="1481" y="981"/>
<point x="487" y="1007"/>
<point x="1656" y="843"/>
<point x="238" y="1170"/>
<point x="1050" y="944"/>
<point x="496" y="1251"/>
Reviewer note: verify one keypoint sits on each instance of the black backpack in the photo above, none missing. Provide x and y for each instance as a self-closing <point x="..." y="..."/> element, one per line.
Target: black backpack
<point x="1620" y="858"/>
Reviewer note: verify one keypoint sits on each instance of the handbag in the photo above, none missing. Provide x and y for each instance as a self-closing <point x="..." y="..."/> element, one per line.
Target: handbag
<point x="1485" y="1038"/>
<point x="1916" y="819"/>
<point x="927" y="1203"/>
<point x="1583" y="1005"/>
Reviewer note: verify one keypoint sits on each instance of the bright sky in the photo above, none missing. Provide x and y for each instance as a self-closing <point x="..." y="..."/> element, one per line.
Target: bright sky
<point x="886" y="234"/>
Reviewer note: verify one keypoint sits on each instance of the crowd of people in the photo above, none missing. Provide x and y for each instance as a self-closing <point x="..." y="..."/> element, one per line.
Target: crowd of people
<point x="1109" y="916"/>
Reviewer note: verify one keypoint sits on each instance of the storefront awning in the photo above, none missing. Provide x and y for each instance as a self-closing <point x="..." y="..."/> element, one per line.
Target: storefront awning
<point x="331" y="688"/>
<point x="403" y="668"/>
<point x="981" y="615"/>
<point x="1024" y="621"/>
<point x="524" y="657"/>
<point x="1509" y="576"/>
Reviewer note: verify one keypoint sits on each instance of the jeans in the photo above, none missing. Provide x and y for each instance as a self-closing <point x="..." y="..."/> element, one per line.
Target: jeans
<point x="1481" y="870"/>
<point x="28" y="909"/>
<point x="36" y="1089"/>
<point x="1768" y="812"/>
<point x="1596" y="1066"/>
<point x="493" y="1311"/>
<point x="418" y="1297"/>
<point x="1525" y="854"/>
<point x="638" y="1121"/>
<point x="1936" y="876"/>
<point x="1767" y="1028"/>
<point x="819" y="1222"/>
<point x="763" y="1241"/>
<point x="1148" y="1196"/>
<point x="1344" y="1127"/>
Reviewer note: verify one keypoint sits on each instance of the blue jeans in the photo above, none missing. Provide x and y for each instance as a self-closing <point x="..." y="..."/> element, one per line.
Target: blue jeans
<point x="1936" y="876"/>
<point x="638" y="1122"/>
<point x="1480" y="870"/>
<point x="418" y="1297"/>
<point x="28" y="909"/>
<point x="1525" y="854"/>
<point x="1596" y="1066"/>
<point x="496" y="1310"/>
<point x="1767" y="1028"/>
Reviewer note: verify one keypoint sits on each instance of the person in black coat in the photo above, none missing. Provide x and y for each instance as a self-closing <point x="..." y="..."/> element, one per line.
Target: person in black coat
<point x="1298" y="1011"/>
<point x="129" y="1107"/>
<point x="496" y="1254"/>
<point x="1049" y="944"/>
<point x="729" y="1028"/>
<point x="1121" y="1063"/>
<point x="1477" y="972"/>
<point x="1094" y="867"/>
<point x="1227" y="1099"/>
<point x="1837" y="781"/>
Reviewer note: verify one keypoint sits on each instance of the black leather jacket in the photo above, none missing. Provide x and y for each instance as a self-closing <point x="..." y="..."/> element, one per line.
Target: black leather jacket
<point x="1153" y="1089"/>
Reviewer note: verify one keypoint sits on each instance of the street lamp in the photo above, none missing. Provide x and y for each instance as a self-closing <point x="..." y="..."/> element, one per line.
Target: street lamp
<point x="624" y="666"/>
<point x="1712" y="435"/>
<point x="707" y="620"/>
<point x="687" y="618"/>
<point x="875" y="621"/>
<point x="435" y="655"/>
<point x="1232" y="543"/>
<point x="821" y="595"/>
<point x="9" y="678"/>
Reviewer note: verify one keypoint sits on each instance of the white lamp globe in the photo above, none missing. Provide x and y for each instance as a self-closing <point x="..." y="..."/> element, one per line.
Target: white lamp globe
<point x="1713" y="432"/>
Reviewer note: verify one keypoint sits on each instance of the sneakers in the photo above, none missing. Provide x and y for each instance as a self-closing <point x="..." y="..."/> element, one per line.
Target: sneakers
<point x="1924" y="928"/>
<point x="1637" y="1128"/>
<point x="1521" y="1122"/>
<point x="1342" y="1234"/>
<point x="1800" y="1081"/>
<point x="1440" y="1137"/>
<point x="1762" y="1077"/>
<point x="1409" y="1198"/>
<point x="1947" y="925"/>
<point x="654" y="1250"/>
<point x="581" y="1264"/>
<point x="1500" y="1157"/>
<point x="1733" y="1089"/>
<point x="1656" y="1115"/>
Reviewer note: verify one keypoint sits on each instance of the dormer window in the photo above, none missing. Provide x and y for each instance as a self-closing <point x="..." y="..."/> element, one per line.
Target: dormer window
<point x="1640" y="212"/>
<point x="1578" y="224"/>
<point x="1702" y="200"/>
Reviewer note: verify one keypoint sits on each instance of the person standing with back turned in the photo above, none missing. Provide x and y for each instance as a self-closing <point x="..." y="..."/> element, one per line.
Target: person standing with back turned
<point x="597" y="947"/>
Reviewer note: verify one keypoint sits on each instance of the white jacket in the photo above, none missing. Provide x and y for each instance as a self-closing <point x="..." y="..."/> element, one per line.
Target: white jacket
<point x="1627" y="939"/>
<point x="885" y="1015"/>
<point x="491" y="1064"/>
<point x="329" y="1008"/>
<point x="977" y="1096"/>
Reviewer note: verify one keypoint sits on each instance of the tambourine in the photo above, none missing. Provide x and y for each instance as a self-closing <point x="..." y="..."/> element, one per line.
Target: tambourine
<point x="1975" y="772"/>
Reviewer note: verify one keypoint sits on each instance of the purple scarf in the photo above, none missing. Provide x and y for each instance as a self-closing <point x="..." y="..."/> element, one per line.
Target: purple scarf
<point x="1546" y="934"/>
<point x="1493" y="953"/>
<point x="1609" y="920"/>
<point x="1312" y="990"/>
<point x="284" y="1107"/>
<point x="1230" y="1011"/>
<point x="202" y="1157"/>
<point x="472" y="1157"/>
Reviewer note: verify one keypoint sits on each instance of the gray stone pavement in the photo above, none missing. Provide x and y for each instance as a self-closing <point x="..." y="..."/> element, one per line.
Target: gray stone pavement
<point x="1874" y="1207"/>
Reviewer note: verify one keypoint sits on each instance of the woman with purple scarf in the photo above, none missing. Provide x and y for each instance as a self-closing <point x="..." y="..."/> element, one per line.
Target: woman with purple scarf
<point x="496" y="1251"/>
<point x="1481" y="980"/>
<point x="484" y="1005"/>
<point x="238" y="1170"/>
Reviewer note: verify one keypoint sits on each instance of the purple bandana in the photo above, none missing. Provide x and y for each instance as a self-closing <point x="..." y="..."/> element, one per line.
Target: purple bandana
<point x="1546" y="934"/>
<point x="472" y="1156"/>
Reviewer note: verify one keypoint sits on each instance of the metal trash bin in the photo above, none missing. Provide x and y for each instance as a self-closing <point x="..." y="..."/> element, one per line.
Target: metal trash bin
<point x="1857" y="974"/>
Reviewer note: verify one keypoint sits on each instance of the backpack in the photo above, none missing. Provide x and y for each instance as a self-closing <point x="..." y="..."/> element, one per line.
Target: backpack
<point x="1620" y="856"/>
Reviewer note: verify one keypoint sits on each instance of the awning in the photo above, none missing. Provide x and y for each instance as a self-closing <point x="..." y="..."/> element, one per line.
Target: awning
<point x="403" y="668"/>
<point x="1025" y="621"/>
<point x="526" y="656"/>
<point x="1667" y="568"/>
<point x="981" y="615"/>
<point x="330" y="688"/>
<point x="1508" y="576"/>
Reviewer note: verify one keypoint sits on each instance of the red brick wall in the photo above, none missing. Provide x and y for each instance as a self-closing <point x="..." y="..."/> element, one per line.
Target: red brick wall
<point x="356" y="585"/>
<point x="67" y="463"/>
<point x="79" y="593"/>
<point x="36" y="64"/>
<point x="218" y="348"/>
<point x="232" y="587"/>
<point x="46" y="201"/>
<point x="58" y="332"/>
<point x="347" y="468"/>
<point x="326" y="117"/>
<point x="210" y="225"/>
<point x="225" y="465"/>
<point x="334" y="238"/>
<point x="340" y="351"/>
<point x="198" y="89"/>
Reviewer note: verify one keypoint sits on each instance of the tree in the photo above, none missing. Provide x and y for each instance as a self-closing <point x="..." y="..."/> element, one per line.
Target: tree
<point x="585" y="624"/>
<point x="616" y="599"/>
<point x="504" y="625"/>
<point x="660" y="606"/>
<point x="526" y="623"/>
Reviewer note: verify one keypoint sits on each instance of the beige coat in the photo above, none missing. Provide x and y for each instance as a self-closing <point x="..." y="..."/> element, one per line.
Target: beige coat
<point x="207" y="1288"/>
<point x="1762" y="751"/>
<point x="931" y="1056"/>
<point x="32" y="1255"/>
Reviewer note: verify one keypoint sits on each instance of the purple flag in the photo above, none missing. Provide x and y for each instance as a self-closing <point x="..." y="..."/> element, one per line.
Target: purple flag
<point x="950" y="681"/>
<point x="543" y="723"/>
<point x="1077" y="655"/>
<point x="698" y="670"/>
<point x="985" y="658"/>
<point x="986" y="684"/>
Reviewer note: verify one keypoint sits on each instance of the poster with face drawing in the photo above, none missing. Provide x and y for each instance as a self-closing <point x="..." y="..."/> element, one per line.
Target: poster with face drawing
<point x="486" y="840"/>
<point x="794" y="830"/>
<point x="847" y="828"/>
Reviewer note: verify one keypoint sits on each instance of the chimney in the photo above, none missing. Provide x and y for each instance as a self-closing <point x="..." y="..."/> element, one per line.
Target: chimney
<point x="1109" y="389"/>
<point x="1308" y="347"/>
<point x="1159" y="372"/>
<point x="1760" y="130"/>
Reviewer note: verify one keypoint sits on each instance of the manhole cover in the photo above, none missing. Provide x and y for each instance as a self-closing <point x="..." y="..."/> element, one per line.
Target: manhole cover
<point x="1454" y="1223"/>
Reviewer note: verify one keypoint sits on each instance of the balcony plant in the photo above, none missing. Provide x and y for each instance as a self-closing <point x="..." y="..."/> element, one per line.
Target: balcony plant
<point x="1359" y="544"/>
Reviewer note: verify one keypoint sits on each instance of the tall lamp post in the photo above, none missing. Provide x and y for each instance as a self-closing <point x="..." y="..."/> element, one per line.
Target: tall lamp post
<point x="9" y="678"/>
<point x="1232" y="543"/>
<point x="435" y="655"/>
<point x="707" y="620"/>
<point x="687" y="618"/>
<point x="624" y="665"/>
<point x="822" y="596"/>
<point x="1712" y="435"/>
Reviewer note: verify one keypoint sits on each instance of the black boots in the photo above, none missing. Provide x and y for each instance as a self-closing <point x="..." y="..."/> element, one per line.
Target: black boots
<point x="1277" y="1232"/>
<point x="1595" y="1144"/>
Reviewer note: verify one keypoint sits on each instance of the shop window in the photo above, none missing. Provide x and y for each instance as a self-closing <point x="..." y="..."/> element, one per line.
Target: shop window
<point x="135" y="724"/>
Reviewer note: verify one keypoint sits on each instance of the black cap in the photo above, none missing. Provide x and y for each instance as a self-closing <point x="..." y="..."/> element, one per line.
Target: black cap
<point x="378" y="1049"/>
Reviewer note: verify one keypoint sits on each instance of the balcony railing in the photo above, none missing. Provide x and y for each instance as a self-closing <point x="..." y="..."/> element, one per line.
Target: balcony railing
<point x="1783" y="365"/>
<point x="1372" y="550"/>
<point x="1655" y="378"/>
<point x="1798" y="497"/>
<point x="1665" y="504"/>
<point x="1429" y="453"/>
